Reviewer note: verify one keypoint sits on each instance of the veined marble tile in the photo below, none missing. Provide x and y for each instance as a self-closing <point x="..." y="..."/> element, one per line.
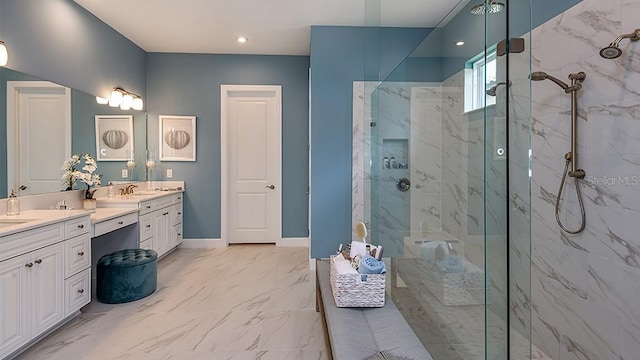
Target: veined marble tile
<point x="294" y="329"/>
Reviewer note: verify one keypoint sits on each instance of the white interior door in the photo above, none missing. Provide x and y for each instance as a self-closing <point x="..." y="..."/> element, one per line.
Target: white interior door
<point x="252" y="157"/>
<point x="38" y="135"/>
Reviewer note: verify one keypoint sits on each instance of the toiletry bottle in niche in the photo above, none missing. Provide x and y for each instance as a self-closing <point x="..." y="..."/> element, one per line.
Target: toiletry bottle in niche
<point x="13" y="204"/>
<point x="111" y="191"/>
<point x="385" y="163"/>
<point x="392" y="163"/>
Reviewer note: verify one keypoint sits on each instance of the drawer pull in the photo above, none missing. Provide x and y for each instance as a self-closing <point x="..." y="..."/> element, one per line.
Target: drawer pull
<point x="165" y="213"/>
<point x="148" y="206"/>
<point x="28" y="265"/>
<point x="81" y="226"/>
<point x="179" y="234"/>
<point x="120" y="222"/>
<point x="179" y="213"/>
<point x="81" y="291"/>
<point x="148" y="226"/>
<point x="81" y="253"/>
<point x="39" y="261"/>
<point x="179" y="198"/>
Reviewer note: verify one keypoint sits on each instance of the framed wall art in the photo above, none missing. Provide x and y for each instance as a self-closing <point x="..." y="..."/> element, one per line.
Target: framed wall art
<point x="114" y="137"/>
<point x="177" y="138"/>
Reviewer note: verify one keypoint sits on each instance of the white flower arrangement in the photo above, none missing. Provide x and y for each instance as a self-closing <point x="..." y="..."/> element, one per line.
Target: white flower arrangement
<point x="71" y="174"/>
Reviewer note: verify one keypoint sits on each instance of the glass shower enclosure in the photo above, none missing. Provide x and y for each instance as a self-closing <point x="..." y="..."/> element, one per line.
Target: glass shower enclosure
<point x="441" y="176"/>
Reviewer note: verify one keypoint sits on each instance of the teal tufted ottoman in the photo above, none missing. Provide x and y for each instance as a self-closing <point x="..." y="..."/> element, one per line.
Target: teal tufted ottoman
<point x="126" y="275"/>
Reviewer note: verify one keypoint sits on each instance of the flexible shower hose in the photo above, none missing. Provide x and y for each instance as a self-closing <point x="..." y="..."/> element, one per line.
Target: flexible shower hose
<point x="583" y="220"/>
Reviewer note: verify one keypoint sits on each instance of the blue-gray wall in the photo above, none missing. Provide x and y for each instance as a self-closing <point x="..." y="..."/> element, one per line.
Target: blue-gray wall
<point x="189" y="84"/>
<point x="60" y="41"/>
<point x="83" y="136"/>
<point x="337" y="59"/>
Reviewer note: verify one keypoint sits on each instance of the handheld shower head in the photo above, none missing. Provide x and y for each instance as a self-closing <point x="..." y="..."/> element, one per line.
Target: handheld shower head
<point x="492" y="90"/>
<point x="541" y="75"/>
<point x="613" y="50"/>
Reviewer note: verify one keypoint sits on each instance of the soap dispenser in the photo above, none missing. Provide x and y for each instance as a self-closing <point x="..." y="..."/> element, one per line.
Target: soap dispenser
<point x="13" y="204"/>
<point x="111" y="191"/>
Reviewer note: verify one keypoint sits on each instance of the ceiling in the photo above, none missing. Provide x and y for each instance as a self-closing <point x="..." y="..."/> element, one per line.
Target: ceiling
<point x="273" y="27"/>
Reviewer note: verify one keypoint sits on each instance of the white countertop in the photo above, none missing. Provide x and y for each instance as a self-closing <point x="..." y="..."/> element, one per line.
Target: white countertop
<point x="30" y="219"/>
<point x="127" y="201"/>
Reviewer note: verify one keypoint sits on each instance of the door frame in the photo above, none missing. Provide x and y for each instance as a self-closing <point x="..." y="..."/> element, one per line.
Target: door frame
<point x="13" y="91"/>
<point x="225" y="91"/>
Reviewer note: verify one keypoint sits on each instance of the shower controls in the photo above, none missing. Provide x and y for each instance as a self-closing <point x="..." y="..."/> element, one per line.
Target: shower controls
<point x="403" y="184"/>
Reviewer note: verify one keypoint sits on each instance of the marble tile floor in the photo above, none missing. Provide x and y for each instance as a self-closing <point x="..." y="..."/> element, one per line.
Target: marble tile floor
<point x="240" y="302"/>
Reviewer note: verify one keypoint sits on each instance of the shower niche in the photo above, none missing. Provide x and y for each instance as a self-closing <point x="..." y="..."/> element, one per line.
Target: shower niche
<point x="395" y="154"/>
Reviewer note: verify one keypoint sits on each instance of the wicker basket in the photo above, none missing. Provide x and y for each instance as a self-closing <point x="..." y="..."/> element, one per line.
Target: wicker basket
<point x="357" y="290"/>
<point x="465" y="288"/>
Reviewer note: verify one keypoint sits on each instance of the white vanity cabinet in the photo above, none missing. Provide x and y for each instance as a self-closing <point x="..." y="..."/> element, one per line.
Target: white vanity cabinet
<point x="34" y="275"/>
<point x="161" y="223"/>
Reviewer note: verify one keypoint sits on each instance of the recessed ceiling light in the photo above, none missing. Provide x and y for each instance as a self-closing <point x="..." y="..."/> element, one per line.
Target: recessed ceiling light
<point x="242" y="39"/>
<point x="460" y="43"/>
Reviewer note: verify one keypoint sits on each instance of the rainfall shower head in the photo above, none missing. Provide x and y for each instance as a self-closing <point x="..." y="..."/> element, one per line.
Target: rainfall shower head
<point x="490" y="7"/>
<point x="613" y="50"/>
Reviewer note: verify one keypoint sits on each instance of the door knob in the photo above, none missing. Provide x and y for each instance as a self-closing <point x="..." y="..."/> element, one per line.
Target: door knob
<point x="271" y="187"/>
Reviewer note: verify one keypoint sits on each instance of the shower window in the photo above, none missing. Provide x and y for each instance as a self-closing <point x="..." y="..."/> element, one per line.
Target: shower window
<point x="480" y="76"/>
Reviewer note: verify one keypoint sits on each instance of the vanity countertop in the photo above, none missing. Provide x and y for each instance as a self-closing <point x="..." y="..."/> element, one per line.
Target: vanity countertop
<point x="30" y="219"/>
<point x="133" y="200"/>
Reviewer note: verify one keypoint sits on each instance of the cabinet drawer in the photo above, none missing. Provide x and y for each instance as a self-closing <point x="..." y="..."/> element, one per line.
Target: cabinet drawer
<point x="176" y="211"/>
<point x="104" y="227"/>
<point x="147" y="244"/>
<point x="155" y="204"/>
<point x="77" y="226"/>
<point x="146" y="226"/>
<point x="77" y="291"/>
<point x="77" y="254"/>
<point x="23" y="242"/>
<point x="177" y="198"/>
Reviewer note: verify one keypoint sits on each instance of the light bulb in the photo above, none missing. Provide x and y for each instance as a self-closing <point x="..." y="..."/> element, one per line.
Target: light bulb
<point x="116" y="98"/>
<point x="127" y="101"/>
<point x="137" y="104"/>
<point x="4" y="55"/>
<point x="101" y="100"/>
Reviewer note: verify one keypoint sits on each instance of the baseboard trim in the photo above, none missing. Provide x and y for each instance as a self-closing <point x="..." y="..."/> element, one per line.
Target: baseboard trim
<point x="202" y="243"/>
<point x="293" y="242"/>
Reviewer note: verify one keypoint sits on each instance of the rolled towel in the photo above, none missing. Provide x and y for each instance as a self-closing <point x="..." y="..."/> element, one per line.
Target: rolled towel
<point x="451" y="264"/>
<point x="370" y="265"/>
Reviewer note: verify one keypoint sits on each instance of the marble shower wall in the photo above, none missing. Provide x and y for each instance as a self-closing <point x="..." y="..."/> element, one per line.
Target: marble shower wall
<point x="585" y="287"/>
<point x="407" y="129"/>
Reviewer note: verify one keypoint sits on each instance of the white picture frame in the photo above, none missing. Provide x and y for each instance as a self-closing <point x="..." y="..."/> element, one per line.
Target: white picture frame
<point x="177" y="138"/>
<point x="114" y="137"/>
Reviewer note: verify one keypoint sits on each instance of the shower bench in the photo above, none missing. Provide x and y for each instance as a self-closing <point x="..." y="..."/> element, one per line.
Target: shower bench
<point x="358" y="333"/>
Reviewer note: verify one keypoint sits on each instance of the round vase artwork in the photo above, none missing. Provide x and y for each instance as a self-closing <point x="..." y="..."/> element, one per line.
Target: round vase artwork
<point x="115" y="139"/>
<point x="177" y="139"/>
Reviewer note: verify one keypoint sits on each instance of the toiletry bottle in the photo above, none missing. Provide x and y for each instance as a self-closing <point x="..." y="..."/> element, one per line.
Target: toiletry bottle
<point x="13" y="204"/>
<point x="385" y="163"/>
<point x="392" y="163"/>
<point x="111" y="192"/>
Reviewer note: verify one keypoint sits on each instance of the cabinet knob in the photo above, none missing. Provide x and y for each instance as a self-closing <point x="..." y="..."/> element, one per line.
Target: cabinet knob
<point x="80" y="291"/>
<point x="39" y="261"/>
<point x="81" y="226"/>
<point x="165" y="213"/>
<point x="148" y="206"/>
<point x="81" y="253"/>
<point x="28" y="265"/>
<point x="179" y="198"/>
<point x="179" y="234"/>
<point x="148" y="226"/>
<point x="120" y="222"/>
<point x="179" y="213"/>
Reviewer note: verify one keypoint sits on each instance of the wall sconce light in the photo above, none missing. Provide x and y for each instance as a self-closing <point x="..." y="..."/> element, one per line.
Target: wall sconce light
<point x="121" y="98"/>
<point x="4" y="55"/>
